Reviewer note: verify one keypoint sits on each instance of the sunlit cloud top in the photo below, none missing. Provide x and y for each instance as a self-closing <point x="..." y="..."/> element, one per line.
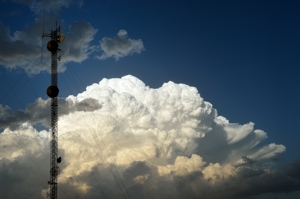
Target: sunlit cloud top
<point x="168" y="141"/>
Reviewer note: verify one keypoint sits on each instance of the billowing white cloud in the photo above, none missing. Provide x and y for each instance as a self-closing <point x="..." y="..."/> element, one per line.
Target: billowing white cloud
<point x="120" y="46"/>
<point x="121" y="139"/>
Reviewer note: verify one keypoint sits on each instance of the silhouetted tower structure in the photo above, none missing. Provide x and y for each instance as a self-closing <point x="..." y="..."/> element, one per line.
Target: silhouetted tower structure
<point x="52" y="92"/>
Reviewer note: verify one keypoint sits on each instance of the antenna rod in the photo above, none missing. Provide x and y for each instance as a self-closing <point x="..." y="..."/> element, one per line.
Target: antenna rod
<point x="43" y="23"/>
<point x="43" y="36"/>
<point x="51" y="18"/>
<point x="59" y="15"/>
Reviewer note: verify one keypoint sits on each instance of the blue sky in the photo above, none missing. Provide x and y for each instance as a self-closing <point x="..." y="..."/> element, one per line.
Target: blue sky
<point x="242" y="56"/>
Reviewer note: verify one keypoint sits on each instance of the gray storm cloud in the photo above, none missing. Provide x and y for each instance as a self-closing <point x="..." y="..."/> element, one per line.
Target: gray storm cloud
<point x="24" y="48"/>
<point x="123" y="139"/>
<point x="120" y="46"/>
<point x="38" y="112"/>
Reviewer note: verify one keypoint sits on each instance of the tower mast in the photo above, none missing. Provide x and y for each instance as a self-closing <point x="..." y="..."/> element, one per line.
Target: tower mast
<point x="52" y="92"/>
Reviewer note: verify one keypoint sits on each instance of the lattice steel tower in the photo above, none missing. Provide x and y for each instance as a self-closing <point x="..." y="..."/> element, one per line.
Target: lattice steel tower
<point x="52" y="92"/>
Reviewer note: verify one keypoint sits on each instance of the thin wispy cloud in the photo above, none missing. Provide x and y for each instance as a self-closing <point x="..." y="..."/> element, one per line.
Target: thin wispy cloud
<point x="39" y="6"/>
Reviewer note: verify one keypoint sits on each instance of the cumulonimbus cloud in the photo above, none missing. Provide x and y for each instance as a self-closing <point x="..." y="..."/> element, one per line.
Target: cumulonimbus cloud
<point x="142" y="143"/>
<point x="120" y="46"/>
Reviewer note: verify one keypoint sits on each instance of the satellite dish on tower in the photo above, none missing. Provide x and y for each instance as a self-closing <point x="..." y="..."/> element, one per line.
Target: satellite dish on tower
<point x="52" y="46"/>
<point x="60" y="38"/>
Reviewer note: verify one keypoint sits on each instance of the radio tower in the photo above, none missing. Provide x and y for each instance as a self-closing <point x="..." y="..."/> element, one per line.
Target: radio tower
<point x="52" y="92"/>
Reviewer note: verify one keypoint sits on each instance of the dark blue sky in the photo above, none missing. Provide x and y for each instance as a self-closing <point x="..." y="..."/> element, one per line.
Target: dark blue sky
<point x="242" y="56"/>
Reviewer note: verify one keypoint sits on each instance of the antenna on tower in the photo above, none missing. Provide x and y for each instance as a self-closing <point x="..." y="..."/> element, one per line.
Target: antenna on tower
<point x="59" y="14"/>
<point x="51" y="18"/>
<point x="61" y="36"/>
<point x="52" y="92"/>
<point x="43" y="37"/>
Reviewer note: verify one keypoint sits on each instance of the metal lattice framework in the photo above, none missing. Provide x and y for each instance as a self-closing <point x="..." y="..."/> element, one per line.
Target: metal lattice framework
<point x="54" y="129"/>
<point x="52" y="92"/>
